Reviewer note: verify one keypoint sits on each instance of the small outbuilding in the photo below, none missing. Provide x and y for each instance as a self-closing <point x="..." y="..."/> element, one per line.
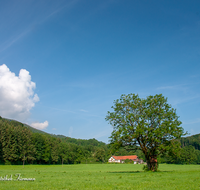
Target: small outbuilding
<point x="121" y="159"/>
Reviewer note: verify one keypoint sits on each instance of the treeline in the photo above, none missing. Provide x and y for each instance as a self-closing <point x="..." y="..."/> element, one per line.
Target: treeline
<point x="193" y="140"/>
<point x="21" y="144"/>
<point x="185" y="151"/>
<point x="176" y="155"/>
<point x="18" y="144"/>
<point x="189" y="152"/>
<point x="184" y="155"/>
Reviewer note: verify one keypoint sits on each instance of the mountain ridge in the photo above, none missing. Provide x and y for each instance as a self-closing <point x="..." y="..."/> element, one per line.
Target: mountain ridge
<point x="193" y="140"/>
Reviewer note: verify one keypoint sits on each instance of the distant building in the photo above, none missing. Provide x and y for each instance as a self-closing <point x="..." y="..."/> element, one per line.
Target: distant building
<point x="121" y="159"/>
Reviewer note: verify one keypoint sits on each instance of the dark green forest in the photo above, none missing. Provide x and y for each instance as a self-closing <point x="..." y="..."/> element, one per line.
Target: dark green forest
<point x="22" y="144"/>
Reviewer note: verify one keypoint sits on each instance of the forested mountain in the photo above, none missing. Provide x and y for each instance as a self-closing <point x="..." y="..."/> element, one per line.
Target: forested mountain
<point x="193" y="140"/>
<point x="82" y="142"/>
<point x="20" y="144"/>
<point x="185" y="151"/>
<point x="16" y="123"/>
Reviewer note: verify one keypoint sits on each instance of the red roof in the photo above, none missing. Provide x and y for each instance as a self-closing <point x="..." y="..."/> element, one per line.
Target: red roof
<point x="131" y="157"/>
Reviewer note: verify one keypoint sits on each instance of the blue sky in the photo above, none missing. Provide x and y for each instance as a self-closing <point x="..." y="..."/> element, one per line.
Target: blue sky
<point x="76" y="57"/>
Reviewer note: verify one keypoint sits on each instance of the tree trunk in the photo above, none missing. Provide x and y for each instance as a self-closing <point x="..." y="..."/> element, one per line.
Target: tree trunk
<point x="152" y="163"/>
<point x="23" y="161"/>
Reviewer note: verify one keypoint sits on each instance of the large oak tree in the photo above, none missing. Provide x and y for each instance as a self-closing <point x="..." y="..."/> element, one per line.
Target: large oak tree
<point x="149" y="124"/>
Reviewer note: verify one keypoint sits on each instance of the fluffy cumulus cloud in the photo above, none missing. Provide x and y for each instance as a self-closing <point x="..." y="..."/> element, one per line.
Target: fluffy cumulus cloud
<point x="17" y="95"/>
<point x="40" y="125"/>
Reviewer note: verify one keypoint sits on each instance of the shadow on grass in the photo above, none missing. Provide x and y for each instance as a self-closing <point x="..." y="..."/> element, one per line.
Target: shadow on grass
<point x="126" y="172"/>
<point x="137" y="171"/>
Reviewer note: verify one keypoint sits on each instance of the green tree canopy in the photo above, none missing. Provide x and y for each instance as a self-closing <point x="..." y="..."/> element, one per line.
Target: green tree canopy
<point x="147" y="124"/>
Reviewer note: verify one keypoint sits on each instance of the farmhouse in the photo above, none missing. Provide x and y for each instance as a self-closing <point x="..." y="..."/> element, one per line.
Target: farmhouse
<point x="121" y="159"/>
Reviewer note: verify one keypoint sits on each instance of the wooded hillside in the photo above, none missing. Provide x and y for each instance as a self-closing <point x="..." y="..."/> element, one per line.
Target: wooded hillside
<point x="22" y="144"/>
<point x="193" y="140"/>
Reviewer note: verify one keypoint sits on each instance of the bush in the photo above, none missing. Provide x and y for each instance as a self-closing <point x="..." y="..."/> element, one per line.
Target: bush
<point x="7" y="162"/>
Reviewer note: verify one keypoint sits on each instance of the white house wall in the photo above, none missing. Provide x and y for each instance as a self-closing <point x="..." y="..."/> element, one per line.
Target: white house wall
<point x="111" y="159"/>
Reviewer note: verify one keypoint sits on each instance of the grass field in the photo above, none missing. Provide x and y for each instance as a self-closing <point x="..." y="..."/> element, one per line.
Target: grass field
<point x="101" y="176"/>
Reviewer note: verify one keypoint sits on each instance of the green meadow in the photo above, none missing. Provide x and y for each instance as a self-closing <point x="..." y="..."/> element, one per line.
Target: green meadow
<point x="101" y="176"/>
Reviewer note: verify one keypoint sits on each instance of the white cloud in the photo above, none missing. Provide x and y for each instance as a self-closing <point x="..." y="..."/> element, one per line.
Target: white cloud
<point x="40" y="125"/>
<point x="17" y="95"/>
